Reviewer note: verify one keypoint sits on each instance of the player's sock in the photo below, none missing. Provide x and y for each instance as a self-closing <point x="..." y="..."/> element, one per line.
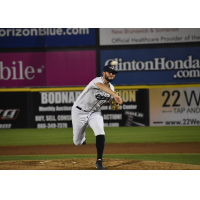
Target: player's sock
<point x="100" y="141"/>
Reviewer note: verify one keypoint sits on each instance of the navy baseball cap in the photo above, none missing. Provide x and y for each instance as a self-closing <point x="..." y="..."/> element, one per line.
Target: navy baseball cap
<point x="110" y="67"/>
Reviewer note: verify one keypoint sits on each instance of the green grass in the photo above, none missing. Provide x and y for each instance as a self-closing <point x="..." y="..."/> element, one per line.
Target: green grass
<point x="185" y="158"/>
<point x="113" y="135"/>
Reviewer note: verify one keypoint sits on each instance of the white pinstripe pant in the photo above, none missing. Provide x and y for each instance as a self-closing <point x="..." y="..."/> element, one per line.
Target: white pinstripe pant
<point x="80" y="121"/>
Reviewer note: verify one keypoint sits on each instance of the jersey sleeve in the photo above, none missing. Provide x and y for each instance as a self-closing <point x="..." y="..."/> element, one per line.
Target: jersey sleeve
<point x="97" y="80"/>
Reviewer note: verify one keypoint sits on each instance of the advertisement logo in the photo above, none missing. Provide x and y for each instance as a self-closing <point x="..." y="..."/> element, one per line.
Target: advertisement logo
<point x="46" y="68"/>
<point x="175" y="107"/>
<point x="188" y="68"/>
<point x="9" y="114"/>
<point x="46" y="37"/>
<point x="22" y="69"/>
<point x="18" y="71"/>
<point x="132" y="36"/>
<point x="20" y="32"/>
<point x="59" y="97"/>
<point x="154" y="66"/>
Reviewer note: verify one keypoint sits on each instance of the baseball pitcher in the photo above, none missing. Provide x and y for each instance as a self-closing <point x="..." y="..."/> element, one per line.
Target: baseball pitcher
<point x="86" y="109"/>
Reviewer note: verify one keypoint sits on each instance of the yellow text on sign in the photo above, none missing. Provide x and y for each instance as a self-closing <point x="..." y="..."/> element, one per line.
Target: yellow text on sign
<point x="128" y="95"/>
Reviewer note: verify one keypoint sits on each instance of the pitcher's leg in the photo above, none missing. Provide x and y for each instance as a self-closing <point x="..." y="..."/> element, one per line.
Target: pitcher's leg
<point x="97" y="124"/>
<point x="100" y="142"/>
<point x="79" y="124"/>
<point x="78" y="133"/>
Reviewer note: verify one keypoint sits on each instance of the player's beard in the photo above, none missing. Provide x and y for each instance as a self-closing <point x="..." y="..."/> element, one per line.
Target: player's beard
<point x="107" y="78"/>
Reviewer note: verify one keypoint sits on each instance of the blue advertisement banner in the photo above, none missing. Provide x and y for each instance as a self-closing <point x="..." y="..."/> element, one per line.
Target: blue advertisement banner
<point x="46" y="37"/>
<point x="154" y="66"/>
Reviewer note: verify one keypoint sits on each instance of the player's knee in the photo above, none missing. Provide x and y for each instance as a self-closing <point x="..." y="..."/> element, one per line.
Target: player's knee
<point x="77" y="143"/>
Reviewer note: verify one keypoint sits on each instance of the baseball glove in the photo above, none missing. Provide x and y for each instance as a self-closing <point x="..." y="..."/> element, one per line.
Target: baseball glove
<point x="114" y="104"/>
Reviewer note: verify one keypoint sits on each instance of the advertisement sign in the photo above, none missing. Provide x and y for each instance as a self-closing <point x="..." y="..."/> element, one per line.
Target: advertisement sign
<point x="133" y="112"/>
<point x="47" y="68"/>
<point x="46" y="37"/>
<point x="52" y="109"/>
<point x="13" y="110"/>
<point x="175" y="106"/>
<point x="135" y="36"/>
<point x="154" y="66"/>
<point x="22" y="69"/>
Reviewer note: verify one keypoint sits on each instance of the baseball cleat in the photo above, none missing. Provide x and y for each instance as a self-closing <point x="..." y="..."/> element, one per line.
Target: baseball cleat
<point x="84" y="143"/>
<point x="99" y="165"/>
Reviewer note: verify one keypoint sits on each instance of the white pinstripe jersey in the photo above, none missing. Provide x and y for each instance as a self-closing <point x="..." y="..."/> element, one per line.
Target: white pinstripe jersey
<point x="92" y="98"/>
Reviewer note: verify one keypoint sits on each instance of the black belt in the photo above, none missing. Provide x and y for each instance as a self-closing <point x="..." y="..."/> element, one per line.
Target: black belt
<point x="81" y="109"/>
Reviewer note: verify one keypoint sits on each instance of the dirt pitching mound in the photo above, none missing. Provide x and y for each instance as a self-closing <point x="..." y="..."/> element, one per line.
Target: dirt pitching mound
<point x="89" y="164"/>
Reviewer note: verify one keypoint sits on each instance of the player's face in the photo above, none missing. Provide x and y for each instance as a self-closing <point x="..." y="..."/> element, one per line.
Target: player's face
<point x="109" y="76"/>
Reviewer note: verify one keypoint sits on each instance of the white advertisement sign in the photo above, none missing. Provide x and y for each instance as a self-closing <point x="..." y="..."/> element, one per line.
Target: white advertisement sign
<point x="130" y="36"/>
<point x="175" y="106"/>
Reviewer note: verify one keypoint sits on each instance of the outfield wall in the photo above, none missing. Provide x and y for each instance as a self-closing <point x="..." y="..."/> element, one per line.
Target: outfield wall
<point x="143" y="106"/>
<point x="42" y="71"/>
<point x="63" y="57"/>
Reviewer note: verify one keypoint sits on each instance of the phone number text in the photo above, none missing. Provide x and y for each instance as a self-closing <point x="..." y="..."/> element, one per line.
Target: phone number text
<point x="52" y="125"/>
